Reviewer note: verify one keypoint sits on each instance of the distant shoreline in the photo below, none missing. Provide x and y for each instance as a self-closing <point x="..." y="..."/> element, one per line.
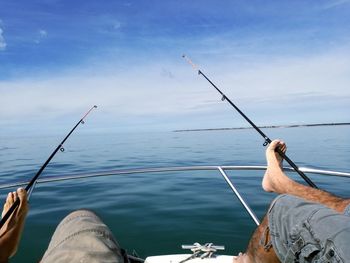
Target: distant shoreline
<point x="270" y="126"/>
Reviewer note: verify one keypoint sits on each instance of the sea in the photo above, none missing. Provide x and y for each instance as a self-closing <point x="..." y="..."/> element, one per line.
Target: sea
<point x="155" y="213"/>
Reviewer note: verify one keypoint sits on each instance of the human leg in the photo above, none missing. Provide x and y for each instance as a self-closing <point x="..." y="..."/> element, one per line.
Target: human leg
<point x="275" y="180"/>
<point x="11" y="232"/>
<point x="306" y="231"/>
<point x="82" y="237"/>
<point x="259" y="249"/>
<point x="297" y="230"/>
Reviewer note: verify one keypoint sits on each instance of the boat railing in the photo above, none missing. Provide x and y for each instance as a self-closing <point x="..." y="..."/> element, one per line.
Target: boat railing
<point x="77" y="176"/>
<point x="221" y="169"/>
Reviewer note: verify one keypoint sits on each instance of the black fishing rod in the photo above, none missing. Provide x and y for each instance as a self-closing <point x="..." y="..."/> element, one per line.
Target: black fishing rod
<point x="267" y="139"/>
<point x="35" y="178"/>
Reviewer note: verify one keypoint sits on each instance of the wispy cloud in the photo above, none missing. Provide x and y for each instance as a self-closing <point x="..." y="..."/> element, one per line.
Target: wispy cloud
<point x="335" y="3"/>
<point x="151" y="92"/>
<point x="127" y="59"/>
<point x="162" y="90"/>
<point x="326" y="73"/>
<point x="2" y="39"/>
<point x="117" y="25"/>
<point x="41" y="34"/>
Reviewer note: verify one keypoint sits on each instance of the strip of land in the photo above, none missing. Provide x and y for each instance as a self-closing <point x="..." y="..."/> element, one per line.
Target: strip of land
<point x="268" y="126"/>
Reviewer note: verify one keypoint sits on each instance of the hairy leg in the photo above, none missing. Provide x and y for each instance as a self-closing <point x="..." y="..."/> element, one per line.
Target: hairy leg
<point x="11" y="232"/>
<point x="259" y="249"/>
<point x="275" y="180"/>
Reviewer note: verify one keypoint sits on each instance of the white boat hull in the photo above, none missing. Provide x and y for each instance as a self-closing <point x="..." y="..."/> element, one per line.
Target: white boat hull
<point x="179" y="257"/>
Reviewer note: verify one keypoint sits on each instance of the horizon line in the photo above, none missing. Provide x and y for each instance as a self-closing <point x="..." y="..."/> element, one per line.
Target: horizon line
<point x="267" y="126"/>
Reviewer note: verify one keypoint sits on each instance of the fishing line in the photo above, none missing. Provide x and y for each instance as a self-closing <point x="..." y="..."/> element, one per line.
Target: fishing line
<point x="35" y="178"/>
<point x="267" y="139"/>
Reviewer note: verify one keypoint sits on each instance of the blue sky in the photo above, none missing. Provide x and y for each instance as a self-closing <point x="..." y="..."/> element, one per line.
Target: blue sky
<point x="282" y="62"/>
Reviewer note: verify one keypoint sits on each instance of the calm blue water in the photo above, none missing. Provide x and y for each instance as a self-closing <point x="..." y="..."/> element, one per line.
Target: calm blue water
<point x="156" y="213"/>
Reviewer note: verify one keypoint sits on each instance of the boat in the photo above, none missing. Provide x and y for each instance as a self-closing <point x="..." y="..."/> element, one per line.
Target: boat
<point x="204" y="253"/>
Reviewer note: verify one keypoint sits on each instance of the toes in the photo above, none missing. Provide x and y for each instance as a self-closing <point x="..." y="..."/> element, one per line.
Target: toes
<point x="22" y="195"/>
<point x="282" y="146"/>
<point x="11" y="198"/>
<point x="6" y="205"/>
<point x="274" y="144"/>
<point x="15" y="196"/>
<point x="8" y="199"/>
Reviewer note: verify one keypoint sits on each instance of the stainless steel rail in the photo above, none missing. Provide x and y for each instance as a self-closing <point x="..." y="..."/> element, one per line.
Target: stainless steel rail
<point x="164" y="170"/>
<point x="221" y="169"/>
<point x="240" y="198"/>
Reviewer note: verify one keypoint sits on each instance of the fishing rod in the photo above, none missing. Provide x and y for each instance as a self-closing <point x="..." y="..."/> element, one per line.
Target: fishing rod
<point x="35" y="178"/>
<point x="267" y="139"/>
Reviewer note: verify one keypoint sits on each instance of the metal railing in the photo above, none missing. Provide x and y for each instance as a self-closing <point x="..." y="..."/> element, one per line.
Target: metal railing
<point x="221" y="169"/>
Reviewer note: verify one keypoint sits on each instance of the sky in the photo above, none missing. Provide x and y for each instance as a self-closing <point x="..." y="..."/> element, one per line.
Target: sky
<point x="281" y="62"/>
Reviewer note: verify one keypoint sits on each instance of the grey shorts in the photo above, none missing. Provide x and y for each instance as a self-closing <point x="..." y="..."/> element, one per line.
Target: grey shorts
<point x="82" y="237"/>
<point x="303" y="231"/>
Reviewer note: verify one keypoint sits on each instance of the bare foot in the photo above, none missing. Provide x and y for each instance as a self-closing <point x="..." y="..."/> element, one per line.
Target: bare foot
<point x="274" y="177"/>
<point x="10" y="233"/>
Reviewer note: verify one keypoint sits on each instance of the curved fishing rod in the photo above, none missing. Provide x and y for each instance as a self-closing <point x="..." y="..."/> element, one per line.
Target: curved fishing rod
<point x="267" y="139"/>
<point x="35" y="178"/>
